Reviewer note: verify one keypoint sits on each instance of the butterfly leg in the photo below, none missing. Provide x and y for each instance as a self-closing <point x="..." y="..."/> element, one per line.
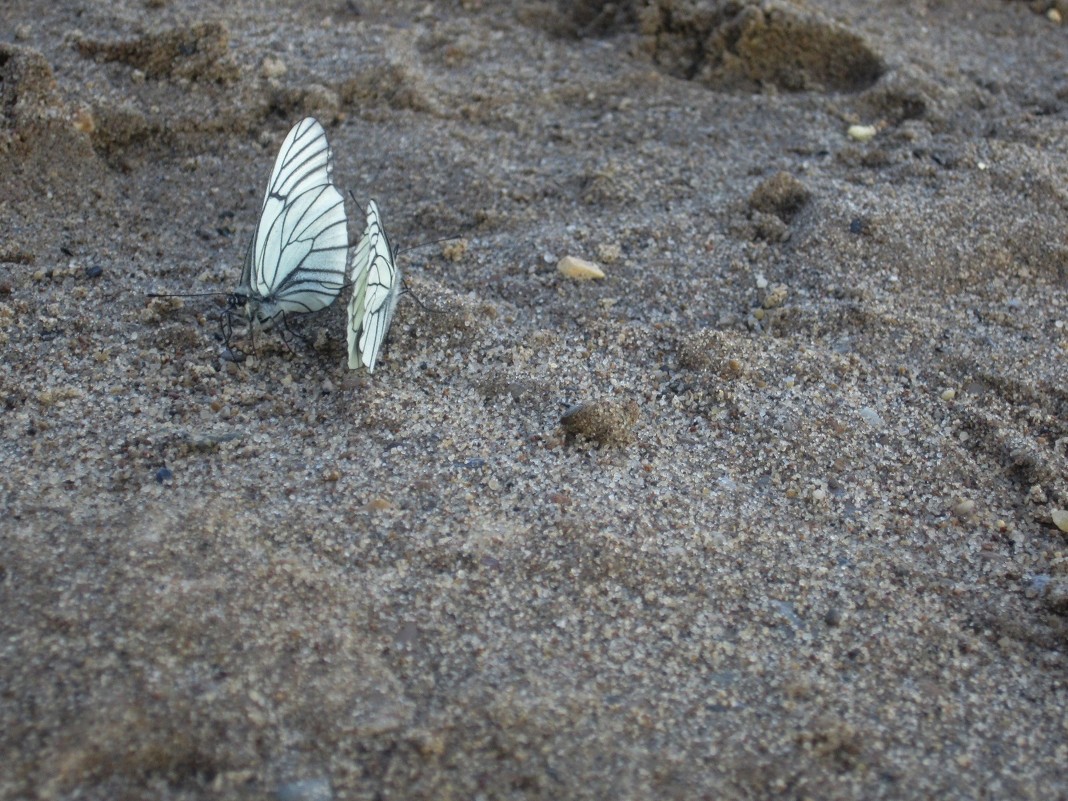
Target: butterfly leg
<point x="226" y="334"/>
<point x="288" y="334"/>
<point x="226" y="327"/>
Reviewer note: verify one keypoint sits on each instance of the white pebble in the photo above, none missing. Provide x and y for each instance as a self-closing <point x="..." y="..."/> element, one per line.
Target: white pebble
<point x="862" y="133"/>
<point x="964" y="508"/>
<point x="579" y="269"/>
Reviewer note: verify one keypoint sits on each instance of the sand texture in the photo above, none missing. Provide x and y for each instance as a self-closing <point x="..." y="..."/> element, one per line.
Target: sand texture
<point x="799" y="531"/>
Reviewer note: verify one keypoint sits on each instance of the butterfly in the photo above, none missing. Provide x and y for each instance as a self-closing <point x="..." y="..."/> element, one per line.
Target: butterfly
<point x="297" y="257"/>
<point x="376" y="282"/>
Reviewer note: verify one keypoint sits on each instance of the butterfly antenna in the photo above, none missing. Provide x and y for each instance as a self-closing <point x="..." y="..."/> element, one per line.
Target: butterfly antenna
<point x="407" y="290"/>
<point x="428" y="244"/>
<point x="363" y="211"/>
<point x="182" y="294"/>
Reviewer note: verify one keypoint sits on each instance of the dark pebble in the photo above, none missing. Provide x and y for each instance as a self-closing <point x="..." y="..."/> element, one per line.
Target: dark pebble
<point x="164" y="474"/>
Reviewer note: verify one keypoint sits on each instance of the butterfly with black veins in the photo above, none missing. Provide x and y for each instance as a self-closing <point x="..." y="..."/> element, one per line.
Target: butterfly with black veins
<point x="376" y="282"/>
<point x="297" y="257"/>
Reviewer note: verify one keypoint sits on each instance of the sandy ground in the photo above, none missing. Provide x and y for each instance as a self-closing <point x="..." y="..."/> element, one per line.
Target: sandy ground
<point x="804" y="543"/>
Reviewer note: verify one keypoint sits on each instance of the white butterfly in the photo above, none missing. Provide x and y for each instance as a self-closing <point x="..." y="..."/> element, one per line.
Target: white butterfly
<point x="296" y="259"/>
<point x="376" y="284"/>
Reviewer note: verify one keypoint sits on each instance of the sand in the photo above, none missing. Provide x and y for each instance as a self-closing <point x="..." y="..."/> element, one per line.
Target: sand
<point x="799" y="541"/>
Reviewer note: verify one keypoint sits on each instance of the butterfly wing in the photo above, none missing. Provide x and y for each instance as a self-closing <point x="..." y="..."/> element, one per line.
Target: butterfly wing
<point x="296" y="260"/>
<point x="360" y="265"/>
<point x="304" y="161"/>
<point x="376" y="283"/>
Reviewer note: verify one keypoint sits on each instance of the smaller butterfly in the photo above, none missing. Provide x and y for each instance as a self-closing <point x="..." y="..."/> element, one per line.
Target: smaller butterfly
<point x="376" y="281"/>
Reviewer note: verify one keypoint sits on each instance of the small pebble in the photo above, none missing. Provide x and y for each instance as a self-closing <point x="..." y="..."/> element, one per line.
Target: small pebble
<point x="164" y="474"/>
<point x="964" y="508"/>
<point x="949" y="394"/>
<point x="94" y="272"/>
<point x="833" y="617"/>
<point x="862" y="133"/>
<point x="83" y="121"/>
<point x="776" y="296"/>
<point x="579" y="269"/>
<point x="1060" y="519"/>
